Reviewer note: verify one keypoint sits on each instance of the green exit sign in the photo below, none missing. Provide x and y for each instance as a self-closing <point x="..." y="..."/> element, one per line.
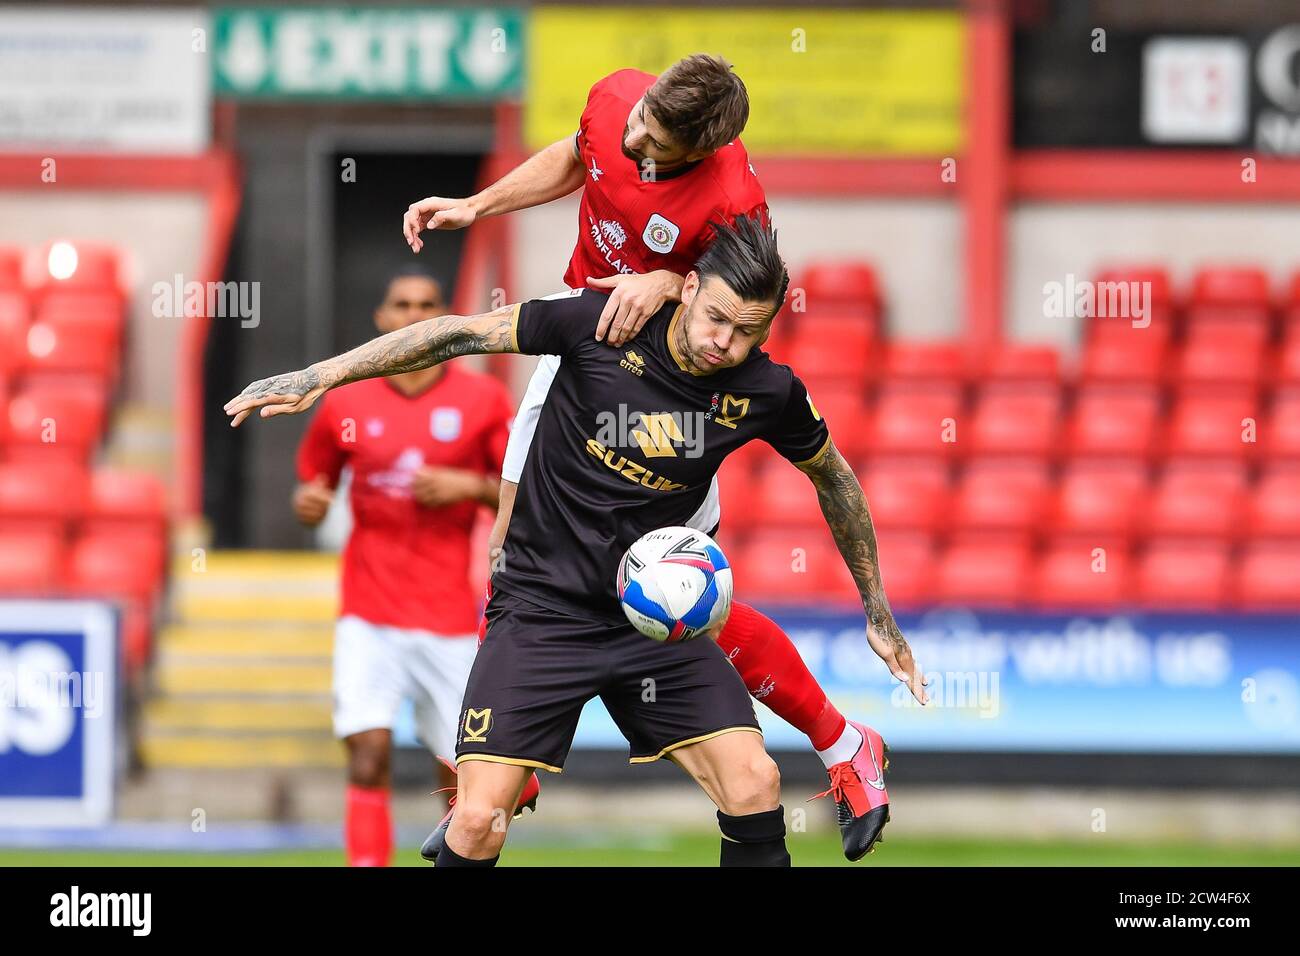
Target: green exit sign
<point x="371" y="53"/>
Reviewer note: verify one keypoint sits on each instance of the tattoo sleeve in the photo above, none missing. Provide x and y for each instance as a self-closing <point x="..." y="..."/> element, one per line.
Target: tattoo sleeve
<point x="845" y="508"/>
<point x="419" y="346"/>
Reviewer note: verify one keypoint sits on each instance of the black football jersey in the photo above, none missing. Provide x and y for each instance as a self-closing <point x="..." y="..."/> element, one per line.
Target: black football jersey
<point x="627" y="442"/>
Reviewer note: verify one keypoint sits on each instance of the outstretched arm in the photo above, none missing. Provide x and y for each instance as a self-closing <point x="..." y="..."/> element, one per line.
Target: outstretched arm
<point x="845" y="508"/>
<point x="421" y="345"/>
<point x="549" y="174"/>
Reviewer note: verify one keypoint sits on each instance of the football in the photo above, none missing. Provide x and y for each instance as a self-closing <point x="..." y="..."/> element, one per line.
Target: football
<point x="674" y="583"/>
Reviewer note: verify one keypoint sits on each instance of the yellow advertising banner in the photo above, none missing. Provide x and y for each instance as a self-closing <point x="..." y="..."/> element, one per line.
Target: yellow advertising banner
<point x="820" y="81"/>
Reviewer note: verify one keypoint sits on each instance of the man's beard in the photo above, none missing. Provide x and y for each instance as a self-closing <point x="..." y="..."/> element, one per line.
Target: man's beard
<point x="622" y="144"/>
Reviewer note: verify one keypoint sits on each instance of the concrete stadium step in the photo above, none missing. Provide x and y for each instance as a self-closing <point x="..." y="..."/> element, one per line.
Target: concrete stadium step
<point x="242" y="676"/>
<point x="220" y="640"/>
<point x="180" y="676"/>
<point x="236" y="714"/>
<point x="247" y="751"/>
<point x="254" y="587"/>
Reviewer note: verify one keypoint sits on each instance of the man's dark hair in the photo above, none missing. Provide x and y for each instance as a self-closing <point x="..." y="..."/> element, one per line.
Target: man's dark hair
<point x="701" y="103"/>
<point x="412" y="272"/>
<point x="744" y="255"/>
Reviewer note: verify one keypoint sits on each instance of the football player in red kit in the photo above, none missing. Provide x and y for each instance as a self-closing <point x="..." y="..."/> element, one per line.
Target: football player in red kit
<point x="425" y="451"/>
<point x="658" y="159"/>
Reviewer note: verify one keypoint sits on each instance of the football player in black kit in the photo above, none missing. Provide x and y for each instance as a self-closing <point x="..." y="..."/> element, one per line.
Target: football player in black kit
<point x="556" y="634"/>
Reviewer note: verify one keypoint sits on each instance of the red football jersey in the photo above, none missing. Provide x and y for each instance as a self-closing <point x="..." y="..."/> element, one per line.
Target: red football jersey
<point x="406" y="565"/>
<point x="629" y="224"/>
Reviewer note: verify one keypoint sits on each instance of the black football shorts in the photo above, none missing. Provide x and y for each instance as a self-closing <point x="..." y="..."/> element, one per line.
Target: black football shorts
<point x="536" y="668"/>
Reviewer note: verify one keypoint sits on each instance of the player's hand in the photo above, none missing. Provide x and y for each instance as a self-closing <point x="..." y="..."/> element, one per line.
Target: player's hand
<point x="311" y="501"/>
<point x="435" y="212"/>
<point x="435" y="487"/>
<point x="286" y="394"/>
<point x="632" y="300"/>
<point x="894" y="650"/>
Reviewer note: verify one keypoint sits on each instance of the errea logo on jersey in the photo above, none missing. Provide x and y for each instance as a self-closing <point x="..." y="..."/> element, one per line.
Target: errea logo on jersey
<point x="660" y="234"/>
<point x="633" y="363"/>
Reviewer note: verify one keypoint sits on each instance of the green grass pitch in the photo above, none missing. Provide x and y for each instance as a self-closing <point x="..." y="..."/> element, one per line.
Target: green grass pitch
<point x="701" y="849"/>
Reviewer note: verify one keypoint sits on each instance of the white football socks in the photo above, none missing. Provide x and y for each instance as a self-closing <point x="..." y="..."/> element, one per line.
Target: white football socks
<point x="844" y="748"/>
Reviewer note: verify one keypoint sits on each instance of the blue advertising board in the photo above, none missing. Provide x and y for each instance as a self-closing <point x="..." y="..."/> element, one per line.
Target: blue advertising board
<point x="1030" y="682"/>
<point x="58" y="712"/>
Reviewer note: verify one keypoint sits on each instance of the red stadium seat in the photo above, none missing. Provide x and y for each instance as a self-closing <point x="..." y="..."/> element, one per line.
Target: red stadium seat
<point x="1100" y="499"/>
<point x="1184" y="575"/>
<point x="1287" y="370"/>
<point x="1231" y="296"/>
<point x="908" y="494"/>
<point x="1113" y="420"/>
<point x="76" y="346"/>
<point x="1230" y="286"/>
<point x="917" y="420"/>
<point x="783" y="566"/>
<point x="1214" y="353"/>
<point x="89" y="265"/>
<point x="1211" y="426"/>
<point x="1273" y="508"/>
<point x="14" y="320"/>
<point x="926" y="362"/>
<point x="30" y="562"/>
<point x="840" y="357"/>
<point x="11" y="268"/>
<point x="784" y="497"/>
<point x="982" y="574"/>
<point x="839" y="283"/>
<point x="1082" y="575"/>
<point x="117" y="565"/>
<point x="735" y="485"/>
<point x="839" y="320"/>
<point x="845" y="413"/>
<point x="1266" y="577"/>
<point x="44" y="496"/>
<point x="1010" y="362"/>
<point x="1197" y="500"/>
<point x="83" y="307"/>
<point x="45" y="422"/>
<point x="1014" y="423"/>
<point x="1132" y="356"/>
<point x="1006" y="496"/>
<point x="1279" y="434"/>
<point x="906" y="567"/>
<point x="1291" y="305"/>
<point x="1141" y="294"/>
<point x="125" y="501"/>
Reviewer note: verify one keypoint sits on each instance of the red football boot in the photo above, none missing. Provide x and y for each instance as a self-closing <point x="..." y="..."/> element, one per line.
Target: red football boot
<point x="858" y="789"/>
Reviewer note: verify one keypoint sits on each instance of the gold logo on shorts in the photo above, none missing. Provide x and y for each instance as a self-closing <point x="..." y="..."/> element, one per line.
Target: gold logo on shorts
<point x="477" y="733"/>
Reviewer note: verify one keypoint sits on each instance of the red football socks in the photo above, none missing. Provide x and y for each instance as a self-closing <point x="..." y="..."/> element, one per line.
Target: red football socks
<point x="774" y="673"/>
<point x="369" y="828"/>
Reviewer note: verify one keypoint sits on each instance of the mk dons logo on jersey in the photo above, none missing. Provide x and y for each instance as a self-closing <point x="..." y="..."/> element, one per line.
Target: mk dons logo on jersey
<point x="477" y="725"/>
<point x="732" y="410"/>
<point x="633" y="363"/>
<point x="660" y="234"/>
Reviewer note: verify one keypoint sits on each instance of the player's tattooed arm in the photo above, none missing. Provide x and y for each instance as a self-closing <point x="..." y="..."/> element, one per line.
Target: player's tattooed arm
<point x="418" y="346"/>
<point x="845" y="509"/>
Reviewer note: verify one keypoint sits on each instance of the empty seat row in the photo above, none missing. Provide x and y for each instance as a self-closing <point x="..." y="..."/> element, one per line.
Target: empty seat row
<point x="773" y="567"/>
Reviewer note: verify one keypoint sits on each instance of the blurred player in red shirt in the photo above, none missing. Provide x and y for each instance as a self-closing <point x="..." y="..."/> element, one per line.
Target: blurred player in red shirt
<point x="658" y="159"/>
<point x="425" y="451"/>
